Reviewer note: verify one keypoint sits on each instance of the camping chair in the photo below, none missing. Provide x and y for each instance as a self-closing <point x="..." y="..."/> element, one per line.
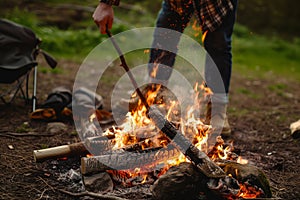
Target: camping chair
<point x="19" y="48"/>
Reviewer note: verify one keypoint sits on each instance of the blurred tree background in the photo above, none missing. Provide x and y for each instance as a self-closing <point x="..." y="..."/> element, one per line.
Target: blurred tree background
<point x="266" y="36"/>
<point x="271" y="16"/>
<point x="261" y="16"/>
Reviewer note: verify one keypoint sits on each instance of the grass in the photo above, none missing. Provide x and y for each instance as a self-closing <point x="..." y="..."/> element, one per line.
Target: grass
<point x="256" y="55"/>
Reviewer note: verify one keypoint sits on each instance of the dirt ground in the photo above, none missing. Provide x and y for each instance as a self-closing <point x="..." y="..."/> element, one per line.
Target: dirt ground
<point x="261" y="111"/>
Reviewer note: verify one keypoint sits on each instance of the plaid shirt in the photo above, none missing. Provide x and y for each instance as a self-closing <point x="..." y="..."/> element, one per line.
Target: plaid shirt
<point x="210" y="12"/>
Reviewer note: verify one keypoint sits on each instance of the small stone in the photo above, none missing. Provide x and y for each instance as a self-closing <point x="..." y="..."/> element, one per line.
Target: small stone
<point x="56" y="127"/>
<point x="100" y="182"/>
<point x="295" y="129"/>
<point x="74" y="175"/>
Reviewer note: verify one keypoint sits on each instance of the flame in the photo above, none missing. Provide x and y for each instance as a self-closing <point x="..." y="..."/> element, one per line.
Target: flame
<point x="144" y="178"/>
<point x="189" y="123"/>
<point x="173" y="103"/>
<point x="249" y="192"/>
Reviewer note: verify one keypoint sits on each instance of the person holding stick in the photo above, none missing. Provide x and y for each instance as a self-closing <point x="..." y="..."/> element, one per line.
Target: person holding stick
<point x="216" y="18"/>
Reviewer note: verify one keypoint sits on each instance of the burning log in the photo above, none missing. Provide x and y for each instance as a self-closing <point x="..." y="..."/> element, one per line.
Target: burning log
<point x="197" y="157"/>
<point x="95" y="144"/>
<point x="127" y="160"/>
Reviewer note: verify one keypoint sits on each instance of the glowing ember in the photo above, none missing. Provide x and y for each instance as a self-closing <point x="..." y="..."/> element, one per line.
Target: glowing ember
<point x="89" y="155"/>
<point x="249" y="192"/>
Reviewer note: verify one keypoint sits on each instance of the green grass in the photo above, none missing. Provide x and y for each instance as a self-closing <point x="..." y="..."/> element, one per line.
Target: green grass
<point x="248" y="92"/>
<point x="255" y="55"/>
<point x="46" y="70"/>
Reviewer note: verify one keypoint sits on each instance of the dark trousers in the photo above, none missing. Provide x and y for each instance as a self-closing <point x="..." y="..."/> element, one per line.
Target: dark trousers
<point x="216" y="43"/>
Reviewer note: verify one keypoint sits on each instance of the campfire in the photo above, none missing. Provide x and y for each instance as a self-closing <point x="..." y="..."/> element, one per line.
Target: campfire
<point x="139" y="152"/>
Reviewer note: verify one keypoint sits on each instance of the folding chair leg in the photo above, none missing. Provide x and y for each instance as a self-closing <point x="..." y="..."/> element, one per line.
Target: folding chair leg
<point x="34" y="89"/>
<point x="18" y="89"/>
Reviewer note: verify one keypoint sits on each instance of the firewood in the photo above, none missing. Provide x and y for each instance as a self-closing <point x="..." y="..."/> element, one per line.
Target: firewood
<point x="77" y="149"/>
<point x="92" y="144"/>
<point x="128" y="160"/>
<point x="97" y="145"/>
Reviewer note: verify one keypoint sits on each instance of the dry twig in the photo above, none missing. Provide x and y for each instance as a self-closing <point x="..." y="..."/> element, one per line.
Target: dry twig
<point x="91" y="194"/>
<point x="25" y="134"/>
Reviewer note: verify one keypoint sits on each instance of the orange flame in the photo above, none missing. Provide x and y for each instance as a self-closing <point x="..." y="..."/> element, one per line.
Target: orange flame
<point x="249" y="192"/>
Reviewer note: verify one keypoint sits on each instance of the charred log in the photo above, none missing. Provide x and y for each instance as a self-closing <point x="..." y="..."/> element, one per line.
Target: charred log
<point x="128" y="160"/>
<point x="197" y="157"/>
<point x="98" y="145"/>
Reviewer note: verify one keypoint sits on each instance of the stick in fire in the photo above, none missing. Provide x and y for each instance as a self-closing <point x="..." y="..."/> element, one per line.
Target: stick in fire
<point x="218" y="179"/>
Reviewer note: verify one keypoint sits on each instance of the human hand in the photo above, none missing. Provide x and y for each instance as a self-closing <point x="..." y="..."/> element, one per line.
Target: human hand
<point x="103" y="16"/>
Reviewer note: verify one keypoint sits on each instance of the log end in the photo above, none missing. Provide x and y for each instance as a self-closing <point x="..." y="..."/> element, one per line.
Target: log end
<point x="83" y="166"/>
<point x="54" y="152"/>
